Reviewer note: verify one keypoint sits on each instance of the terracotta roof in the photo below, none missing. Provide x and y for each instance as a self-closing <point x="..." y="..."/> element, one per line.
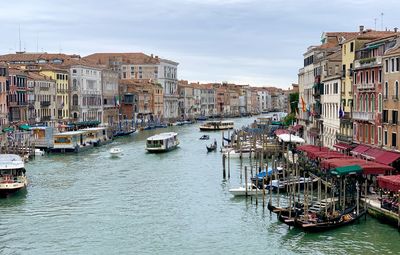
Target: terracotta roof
<point x="37" y="76"/>
<point x="125" y="58"/>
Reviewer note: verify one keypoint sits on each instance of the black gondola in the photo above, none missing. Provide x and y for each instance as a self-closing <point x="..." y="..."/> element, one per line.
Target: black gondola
<point x="211" y="147"/>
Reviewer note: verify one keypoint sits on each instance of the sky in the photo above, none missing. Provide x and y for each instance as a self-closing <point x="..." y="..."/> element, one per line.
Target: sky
<point x="256" y="42"/>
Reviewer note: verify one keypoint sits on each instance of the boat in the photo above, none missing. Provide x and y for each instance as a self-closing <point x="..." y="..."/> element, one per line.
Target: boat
<point x="162" y="142"/>
<point x="243" y="153"/>
<point x="252" y="190"/>
<point x="204" y="137"/>
<point x="216" y="125"/>
<point x="212" y="147"/>
<point x="39" y="152"/>
<point x="124" y="132"/>
<point x="12" y="174"/>
<point x="97" y="135"/>
<point x="201" y="118"/>
<point x="115" y="152"/>
<point x="314" y="224"/>
<point x="161" y="125"/>
<point x="72" y="141"/>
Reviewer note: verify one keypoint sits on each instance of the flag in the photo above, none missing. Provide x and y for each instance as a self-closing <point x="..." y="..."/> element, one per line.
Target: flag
<point x="303" y="105"/>
<point x="341" y="113"/>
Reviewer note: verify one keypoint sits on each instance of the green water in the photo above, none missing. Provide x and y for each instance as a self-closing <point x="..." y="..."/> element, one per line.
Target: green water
<point x="173" y="203"/>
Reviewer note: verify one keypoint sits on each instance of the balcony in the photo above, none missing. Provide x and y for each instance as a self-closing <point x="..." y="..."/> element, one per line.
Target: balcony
<point x="366" y="116"/>
<point x="368" y="62"/>
<point x="45" y="103"/>
<point x="344" y="138"/>
<point x="365" y="86"/>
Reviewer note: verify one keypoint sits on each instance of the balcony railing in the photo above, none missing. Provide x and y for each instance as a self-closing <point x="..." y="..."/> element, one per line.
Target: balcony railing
<point x="344" y="138"/>
<point x="365" y="62"/>
<point x="367" y="116"/>
<point x="45" y="103"/>
<point x="366" y="86"/>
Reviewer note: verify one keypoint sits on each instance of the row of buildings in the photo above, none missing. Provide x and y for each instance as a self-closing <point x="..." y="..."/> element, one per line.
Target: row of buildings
<point x="349" y="89"/>
<point x="54" y="89"/>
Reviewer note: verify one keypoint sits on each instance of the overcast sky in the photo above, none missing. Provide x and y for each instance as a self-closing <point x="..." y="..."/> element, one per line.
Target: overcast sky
<point x="256" y="42"/>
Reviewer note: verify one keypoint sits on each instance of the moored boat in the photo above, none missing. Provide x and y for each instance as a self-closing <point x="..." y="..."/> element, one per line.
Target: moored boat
<point x="162" y="142"/>
<point x="212" y="147"/>
<point x="12" y="174"/>
<point x="252" y="190"/>
<point x="217" y="125"/>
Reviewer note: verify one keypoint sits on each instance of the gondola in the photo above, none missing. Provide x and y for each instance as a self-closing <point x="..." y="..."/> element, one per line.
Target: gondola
<point x="346" y="218"/>
<point x="211" y="147"/>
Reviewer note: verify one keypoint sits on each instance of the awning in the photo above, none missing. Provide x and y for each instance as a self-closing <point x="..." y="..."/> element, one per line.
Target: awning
<point x="372" y="153"/>
<point x="24" y="127"/>
<point x="346" y="170"/>
<point x="343" y="146"/>
<point x="387" y="157"/>
<point x="297" y="127"/>
<point x="281" y="131"/>
<point x="289" y="138"/>
<point x="390" y="182"/>
<point x="368" y="167"/>
<point x="360" y="149"/>
<point x="8" y="129"/>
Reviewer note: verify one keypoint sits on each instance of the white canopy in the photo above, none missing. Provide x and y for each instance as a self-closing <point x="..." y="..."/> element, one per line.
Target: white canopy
<point x="290" y="138"/>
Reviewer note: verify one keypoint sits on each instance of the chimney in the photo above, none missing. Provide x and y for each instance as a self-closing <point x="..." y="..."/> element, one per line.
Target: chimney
<point x="395" y="29"/>
<point x="151" y="55"/>
<point x="156" y="57"/>
<point x="361" y="28"/>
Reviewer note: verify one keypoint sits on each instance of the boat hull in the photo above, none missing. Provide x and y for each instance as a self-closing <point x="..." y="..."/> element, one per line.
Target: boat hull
<point x="214" y="129"/>
<point x="161" y="150"/>
<point x="7" y="189"/>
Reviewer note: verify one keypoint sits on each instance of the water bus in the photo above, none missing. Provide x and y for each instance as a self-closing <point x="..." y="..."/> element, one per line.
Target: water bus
<point x="12" y="174"/>
<point x="217" y="125"/>
<point x="162" y="142"/>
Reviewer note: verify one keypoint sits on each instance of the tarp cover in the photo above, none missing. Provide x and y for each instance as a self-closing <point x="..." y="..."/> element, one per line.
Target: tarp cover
<point x="346" y="170"/>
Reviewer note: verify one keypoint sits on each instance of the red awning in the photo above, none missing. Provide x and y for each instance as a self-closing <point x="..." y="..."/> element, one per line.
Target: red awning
<point x="372" y="153"/>
<point x="281" y="131"/>
<point x="368" y="167"/>
<point x="387" y="157"/>
<point x="343" y="146"/>
<point x="297" y="127"/>
<point x="390" y="182"/>
<point x="360" y="149"/>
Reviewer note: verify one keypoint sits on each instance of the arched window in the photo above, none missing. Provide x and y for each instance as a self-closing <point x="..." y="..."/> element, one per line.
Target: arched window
<point x="75" y="99"/>
<point x="355" y="103"/>
<point x="75" y="115"/>
<point x="366" y="103"/>
<point x="361" y="103"/>
<point x="380" y="103"/>
<point x="396" y="90"/>
<point x="74" y="84"/>
<point x="372" y="103"/>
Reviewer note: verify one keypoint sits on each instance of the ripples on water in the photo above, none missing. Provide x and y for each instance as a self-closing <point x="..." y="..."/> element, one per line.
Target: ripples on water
<point x="173" y="203"/>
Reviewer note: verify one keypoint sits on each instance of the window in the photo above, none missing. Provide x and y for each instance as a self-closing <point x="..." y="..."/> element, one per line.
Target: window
<point x="73" y="70"/>
<point x="394" y="139"/>
<point x="380" y="103"/>
<point x="396" y="90"/>
<point x="385" y="137"/>
<point x="372" y="76"/>
<point x="75" y="99"/>
<point x="386" y="66"/>
<point x="366" y="103"/>
<point x="379" y="135"/>
<point x="366" y="77"/>
<point x="361" y="77"/>
<point x="380" y="75"/>
<point x="351" y="46"/>
<point x="392" y="64"/>
<point x="395" y="117"/>
<point x="386" y="91"/>
<point x="335" y="88"/>
<point x="397" y="65"/>
<point x="355" y="103"/>
<point x="372" y="103"/>
<point x="372" y="134"/>
<point x="361" y="103"/>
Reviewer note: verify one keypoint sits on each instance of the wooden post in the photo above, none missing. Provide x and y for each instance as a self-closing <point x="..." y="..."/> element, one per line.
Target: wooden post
<point x="223" y="166"/>
<point x="358" y="198"/>
<point x="263" y="185"/>
<point x="229" y="163"/>
<point x="256" y="188"/>
<point x="344" y="193"/>
<point x="245" y="179"/>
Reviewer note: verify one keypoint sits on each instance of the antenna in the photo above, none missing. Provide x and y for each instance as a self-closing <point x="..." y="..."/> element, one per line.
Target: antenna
<point x="375" y="23"/>
<point x="19" y="36"/>
<point x="382" y="21"/>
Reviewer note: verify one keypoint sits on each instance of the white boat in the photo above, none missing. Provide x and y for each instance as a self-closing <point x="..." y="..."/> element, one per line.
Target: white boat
<point x="12" y="174"/>
<point x="244" y="153"/>
<point x="115" y="152"/>
<point x="217" y="125"/>
<point x="252" y="190"/>
<point x="39" y="152"/>
<point x="162" y="142"/>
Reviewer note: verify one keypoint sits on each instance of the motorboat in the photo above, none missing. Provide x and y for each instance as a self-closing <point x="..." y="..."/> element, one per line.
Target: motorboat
<point x="212" y="147"/>
<point x="205" y="137"/>
<point x="252" y="190"/>
<point x="162" y="142"/>
<point x="39" y="152"/>
<point x="12" y="174"/>
<point x="115" y="152"/>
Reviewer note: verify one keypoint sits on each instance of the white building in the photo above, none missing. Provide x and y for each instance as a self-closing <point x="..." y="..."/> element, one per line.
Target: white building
<point x="265" y="100"/>
<point x="86" y="93"/>
<point x="168" y="78"/>
<point x="330" y="109"/>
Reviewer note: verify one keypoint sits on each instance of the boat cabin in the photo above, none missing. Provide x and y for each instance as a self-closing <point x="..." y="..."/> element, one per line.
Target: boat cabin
<point x="217" y="125"/>
<point x="43" y="137"/>
<point x="162" y="142"/>
<point x="72" y="141"/>
<point x="96" y="135"/>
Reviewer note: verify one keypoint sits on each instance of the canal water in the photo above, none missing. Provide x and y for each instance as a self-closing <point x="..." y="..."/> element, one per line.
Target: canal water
<point x="172" y="203"/>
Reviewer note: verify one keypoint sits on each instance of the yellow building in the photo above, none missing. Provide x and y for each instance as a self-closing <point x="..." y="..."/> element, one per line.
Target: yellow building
<point x="62" y="97"/>
<point x="349" y="48"/>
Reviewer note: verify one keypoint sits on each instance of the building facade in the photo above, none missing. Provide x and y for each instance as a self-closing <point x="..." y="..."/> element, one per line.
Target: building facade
<point x="110" y="91"/>
<point x="17" y="97"/>
<point x="4" y="88"/>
